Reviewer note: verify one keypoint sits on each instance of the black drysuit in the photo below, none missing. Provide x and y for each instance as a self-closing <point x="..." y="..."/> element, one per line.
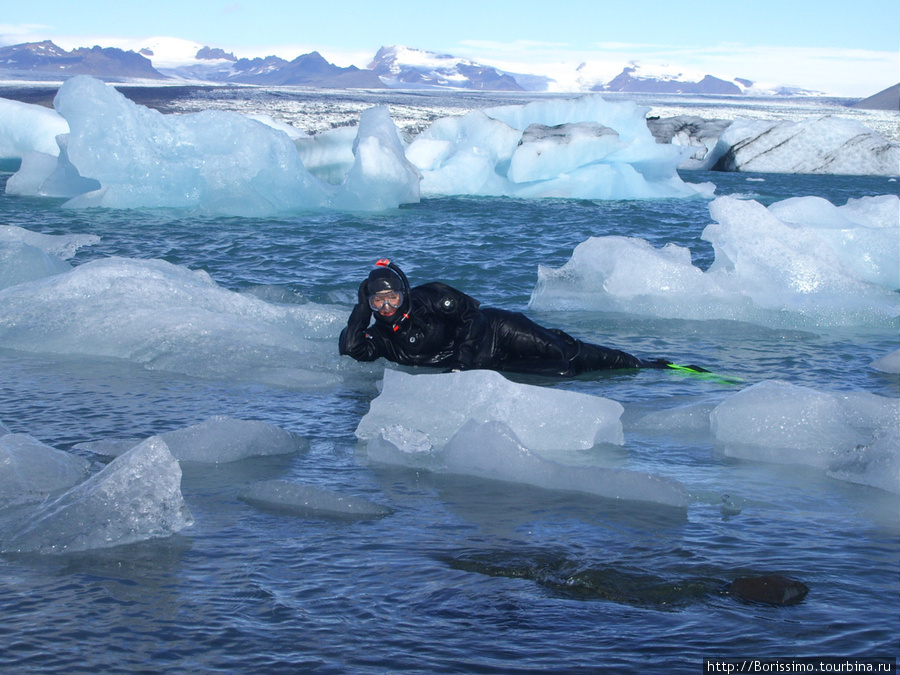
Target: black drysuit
<point x="445" y="328"/>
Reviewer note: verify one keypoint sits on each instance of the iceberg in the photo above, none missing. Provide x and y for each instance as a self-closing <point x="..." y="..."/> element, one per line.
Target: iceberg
<point x="216" y="440"/>
<point x="26" y="128"/>
<point x="118" y="154"/>
<point x="439" y="405"/>
<point x="823" y="145"/>
<point x="308" y="500"/>
<point x="135" y="498"/>
<point x="584" y="148"/>
<point x="799" y="263"/>
<point x="167" y="317"/>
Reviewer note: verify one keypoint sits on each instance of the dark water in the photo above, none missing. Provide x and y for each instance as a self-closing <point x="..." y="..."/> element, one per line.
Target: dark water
<point x="466" y="575"/>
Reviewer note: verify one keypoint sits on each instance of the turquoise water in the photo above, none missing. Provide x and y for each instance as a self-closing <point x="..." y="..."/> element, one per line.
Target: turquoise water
<point x="466" y="575"/>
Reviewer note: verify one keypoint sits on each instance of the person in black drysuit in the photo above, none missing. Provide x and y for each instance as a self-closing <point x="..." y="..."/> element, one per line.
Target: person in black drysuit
<point x="438" y="326"/>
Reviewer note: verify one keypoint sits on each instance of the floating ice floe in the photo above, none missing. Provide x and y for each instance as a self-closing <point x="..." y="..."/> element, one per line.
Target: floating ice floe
<point x="799" y="263"/>
<point x="439" y="405"/>
<point x="167" y="317"/>
<point x="216" y="440"/>
<point x="852" y="436"/>
<point x="480" y="424"/>
<point x="308" y="500"/>
<point x="136" y="497"/>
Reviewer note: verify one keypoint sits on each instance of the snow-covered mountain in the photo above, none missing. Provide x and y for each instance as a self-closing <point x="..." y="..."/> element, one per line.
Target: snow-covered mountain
<point x="47" y="59"/>
<point x="404" y="67"/>
<point x="394" y="66"/>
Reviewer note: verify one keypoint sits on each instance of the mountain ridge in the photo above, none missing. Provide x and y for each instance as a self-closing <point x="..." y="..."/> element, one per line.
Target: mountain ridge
<point x="395" y="66"/>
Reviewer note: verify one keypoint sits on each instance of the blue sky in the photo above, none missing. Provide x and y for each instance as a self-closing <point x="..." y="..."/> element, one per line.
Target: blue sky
<point x="844" y="48"/>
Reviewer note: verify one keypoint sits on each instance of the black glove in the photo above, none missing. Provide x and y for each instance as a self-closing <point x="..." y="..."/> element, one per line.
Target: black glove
<point x="363" y="294"/>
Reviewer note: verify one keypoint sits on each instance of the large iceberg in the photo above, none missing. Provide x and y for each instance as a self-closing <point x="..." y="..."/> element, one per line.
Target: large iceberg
<point x="25" y="128"/>
<point x="439" y="405"/>
<point x="167" y="317"/>
<point x="136" y="497"/>
<point x="585" y="148"/>
<point x="214" y="161"/>
<point x="825" y="144"/>
<point x="801" y="262"/>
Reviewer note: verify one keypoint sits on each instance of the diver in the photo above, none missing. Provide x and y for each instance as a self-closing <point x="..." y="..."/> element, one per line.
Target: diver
<point x="438" y="326"/>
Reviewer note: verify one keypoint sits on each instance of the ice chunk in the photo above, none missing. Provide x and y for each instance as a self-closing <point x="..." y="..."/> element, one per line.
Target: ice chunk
<point x="221" y="439"/>
<point x="328" y="155"/>
<point x="219" y="161"/>
<point x="381" y="177"/>
<point x="308" y="500"/>
<point x="492" y="450"/>
<point x="696" y="133"/>
<point x="780" y="422"/>
<point x="825" y="145"/>
<point x="863" y="234"/>
<point x="28" y="465"/>
<point x="581" y="148"/>
<point x="26" y="128"/>
<point x="889" y="363"/>
<point x="400" y="446"/>
<point x="766" y="270"/>
<point x="63" y="245"/>
<point x="136" y="497"/>
<point x="44" y="175"/>
<point x="464" y="155"/>
<point x="167" y="317"/>
<point x="546" y="152"/>
<point x="216" y="440"/>
<point x="876" y="464"/>
<point x="20" y="262"/>
<point x="438" y="405"/>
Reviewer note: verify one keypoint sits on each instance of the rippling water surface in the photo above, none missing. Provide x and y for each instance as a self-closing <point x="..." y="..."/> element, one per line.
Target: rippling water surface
<point x="466" y="575"/>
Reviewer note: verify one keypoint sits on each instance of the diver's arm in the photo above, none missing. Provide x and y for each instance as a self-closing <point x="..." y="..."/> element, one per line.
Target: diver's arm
<point x="355" y="340"/>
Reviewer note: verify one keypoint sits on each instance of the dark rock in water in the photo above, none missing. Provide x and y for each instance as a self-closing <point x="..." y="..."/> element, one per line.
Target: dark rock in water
<point x="772" y="589"/>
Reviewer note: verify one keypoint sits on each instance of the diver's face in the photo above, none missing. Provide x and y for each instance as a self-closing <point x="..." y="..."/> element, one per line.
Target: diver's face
<point x="386" y="303"/>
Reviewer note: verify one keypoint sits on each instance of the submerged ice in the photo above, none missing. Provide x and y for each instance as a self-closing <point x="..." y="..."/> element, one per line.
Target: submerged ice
<point x="800" y="262"/>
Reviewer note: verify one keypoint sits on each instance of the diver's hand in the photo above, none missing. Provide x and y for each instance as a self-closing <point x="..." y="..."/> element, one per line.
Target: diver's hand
<point x="362" y="296"/>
